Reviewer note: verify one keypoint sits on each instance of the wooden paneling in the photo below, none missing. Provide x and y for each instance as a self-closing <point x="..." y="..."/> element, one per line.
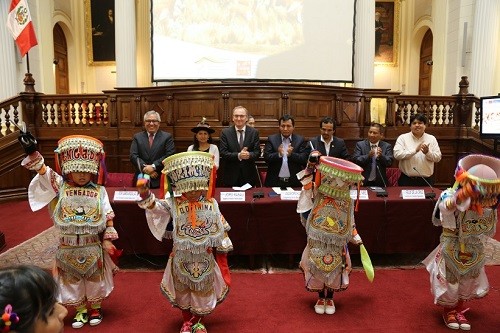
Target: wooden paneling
<point x="51" y="117"/>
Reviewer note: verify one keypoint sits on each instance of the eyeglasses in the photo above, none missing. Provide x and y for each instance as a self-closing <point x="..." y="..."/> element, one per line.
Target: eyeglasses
<point x="151" y="121"/>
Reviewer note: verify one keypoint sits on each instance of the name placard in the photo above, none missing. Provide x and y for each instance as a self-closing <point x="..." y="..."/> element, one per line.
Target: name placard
<point x="363" y="194"/>
<point x="232" y="196"/>
<point x="290" y="195"/>
<point x="413" y="194"/>
<point x="126" y="196"/>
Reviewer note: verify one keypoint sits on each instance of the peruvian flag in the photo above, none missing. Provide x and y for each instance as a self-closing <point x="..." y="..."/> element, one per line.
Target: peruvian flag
<point x="20" y="25"/>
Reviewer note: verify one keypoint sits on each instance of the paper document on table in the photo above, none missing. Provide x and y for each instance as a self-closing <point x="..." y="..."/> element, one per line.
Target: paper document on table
<point x="242" y="188"/>
<point x="126" y="196"/>
<point x="278" y="190"/>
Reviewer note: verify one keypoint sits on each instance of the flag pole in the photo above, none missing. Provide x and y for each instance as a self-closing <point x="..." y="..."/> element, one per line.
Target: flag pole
<point x="29" y="81"/>
<point x="28" y="62"/>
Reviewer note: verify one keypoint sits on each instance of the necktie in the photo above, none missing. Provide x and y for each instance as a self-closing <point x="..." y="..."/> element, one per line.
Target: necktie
<point x="240" y="139"/>
<point x="284" y="171"/>
<point x="151" y="137"/>
<point x="373" y="171"/>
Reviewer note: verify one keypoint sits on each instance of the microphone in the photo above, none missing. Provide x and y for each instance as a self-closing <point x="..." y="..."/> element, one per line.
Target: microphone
<point x="382" y="193"/>
<point x="428" y="195"/>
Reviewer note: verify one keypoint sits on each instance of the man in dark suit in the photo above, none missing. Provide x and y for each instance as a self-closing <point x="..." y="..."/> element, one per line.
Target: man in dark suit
<point x="239" y="148"/>
<point x="150" y="147"/>
<point x="374" y="156"/>
<point x="285" y="155"/>
<point x="327" y="143"/>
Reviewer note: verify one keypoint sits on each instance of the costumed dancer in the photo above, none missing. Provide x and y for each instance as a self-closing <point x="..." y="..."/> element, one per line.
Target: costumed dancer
<point x="467" y="212"/>
<point x="327" y="213"/>
<point x="81" y="211"/>
<point x="195" y="281"/>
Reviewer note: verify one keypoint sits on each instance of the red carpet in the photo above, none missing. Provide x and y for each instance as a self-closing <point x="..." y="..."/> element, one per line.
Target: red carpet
<point x="397" y="301"/>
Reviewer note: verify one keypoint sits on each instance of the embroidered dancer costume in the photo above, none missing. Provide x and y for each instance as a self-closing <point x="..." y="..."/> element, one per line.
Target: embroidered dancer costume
<point x="327" y="212"/>
<point x="194" y="280"/>
<point x="468" y="214"/>
<point x="83" y="215"/>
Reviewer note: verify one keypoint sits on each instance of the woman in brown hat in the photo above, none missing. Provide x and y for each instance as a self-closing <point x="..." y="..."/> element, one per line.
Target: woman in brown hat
<point x="203" y="140"/>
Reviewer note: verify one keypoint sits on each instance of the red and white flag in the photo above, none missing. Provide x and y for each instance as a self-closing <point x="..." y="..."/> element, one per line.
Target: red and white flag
<point x="20" y="25"/>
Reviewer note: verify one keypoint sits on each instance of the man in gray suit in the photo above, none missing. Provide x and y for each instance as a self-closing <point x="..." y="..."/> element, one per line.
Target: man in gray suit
<point x="150" y="147"/>
<point x="285" y="155"/>
<point x="374" y="156"/>
<point x="239" y="148"/>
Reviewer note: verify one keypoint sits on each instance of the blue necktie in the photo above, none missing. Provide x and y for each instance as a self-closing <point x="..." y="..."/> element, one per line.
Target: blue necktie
<point x="373" y="171"/>
<point x="284" y="172"/>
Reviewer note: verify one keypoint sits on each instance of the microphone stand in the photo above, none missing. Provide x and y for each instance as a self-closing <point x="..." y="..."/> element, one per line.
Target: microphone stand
<point x="428" y="195"/>
<point x="384" y="192"/>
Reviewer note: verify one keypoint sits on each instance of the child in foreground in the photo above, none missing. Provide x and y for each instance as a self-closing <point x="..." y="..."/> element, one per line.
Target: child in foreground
<point x="28" y="301"/>
<point x="468" y="215"/>
<point x="196" y="278"/>
<point x="80" y="209"/>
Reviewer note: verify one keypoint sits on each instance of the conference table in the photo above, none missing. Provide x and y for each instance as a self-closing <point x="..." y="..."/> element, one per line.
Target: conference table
<point x="269" y="225"/>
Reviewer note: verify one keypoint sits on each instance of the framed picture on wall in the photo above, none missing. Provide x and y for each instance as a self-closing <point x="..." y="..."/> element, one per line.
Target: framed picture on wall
<point x="387" y="17"/>
<point x="100" y="31"/>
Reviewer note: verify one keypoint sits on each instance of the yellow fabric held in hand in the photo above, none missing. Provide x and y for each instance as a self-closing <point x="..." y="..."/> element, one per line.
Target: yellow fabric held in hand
<point x="367" y="263"/>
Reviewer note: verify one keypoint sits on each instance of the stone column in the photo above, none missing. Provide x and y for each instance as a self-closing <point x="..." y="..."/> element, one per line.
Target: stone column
<point x="126" y="62"/>
<point x="8" y="78"/>
<point x="485" y="49"/>
<point x="364" y="52"/>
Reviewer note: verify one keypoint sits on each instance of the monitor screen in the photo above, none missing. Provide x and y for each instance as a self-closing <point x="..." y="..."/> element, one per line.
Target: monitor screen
<point x="490" y="117"/>
<point x="288" y="40"/>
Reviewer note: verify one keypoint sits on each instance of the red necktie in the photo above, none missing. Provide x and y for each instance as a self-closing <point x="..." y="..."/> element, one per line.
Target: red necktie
<point x="151" y="137"/>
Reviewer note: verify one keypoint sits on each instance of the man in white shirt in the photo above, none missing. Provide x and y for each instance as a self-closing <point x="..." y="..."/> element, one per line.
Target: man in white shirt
<point x="417" y="152"/>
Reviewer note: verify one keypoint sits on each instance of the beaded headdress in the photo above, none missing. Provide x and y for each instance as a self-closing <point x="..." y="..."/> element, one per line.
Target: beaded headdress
<point x="80" y="153"/>
<point x="478" y="177"/>
<point x="337" y="176"/>
<point x="189" y="171"/>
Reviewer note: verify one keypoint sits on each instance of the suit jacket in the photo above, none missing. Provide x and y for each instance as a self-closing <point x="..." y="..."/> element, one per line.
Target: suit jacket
<point x="236" y="172"/>
<point x="296" y="161"/>
<point x="141" y="153"/>
<point x="361" y="158"/>
<point x="337" y="147"/>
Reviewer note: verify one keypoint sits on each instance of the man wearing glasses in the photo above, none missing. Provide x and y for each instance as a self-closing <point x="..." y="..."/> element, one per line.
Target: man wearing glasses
<point x="150" y="147"/>
<point x="327" y="143"/>
<point x="239" y="148"/>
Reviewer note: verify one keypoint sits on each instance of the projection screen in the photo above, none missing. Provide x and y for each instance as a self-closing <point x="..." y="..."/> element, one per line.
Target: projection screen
<point x="272" y="40"/>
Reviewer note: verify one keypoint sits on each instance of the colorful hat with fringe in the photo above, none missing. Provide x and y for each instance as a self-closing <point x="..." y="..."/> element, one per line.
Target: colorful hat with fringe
<point x="478" y="177"/>
<point x="80" y="153"/>
<point x="189" y="171"/>
<point x="337" y="175"/>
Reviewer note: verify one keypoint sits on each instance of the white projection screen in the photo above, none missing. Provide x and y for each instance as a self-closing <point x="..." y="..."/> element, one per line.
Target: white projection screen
<point x="261" y="40"/>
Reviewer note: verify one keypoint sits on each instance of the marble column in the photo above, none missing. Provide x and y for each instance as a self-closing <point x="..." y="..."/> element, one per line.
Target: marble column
<point x="8" y="78"/>
<point x="126" y="61"/>
<point x="364" y="51"/>
<point x="485" y="49"/>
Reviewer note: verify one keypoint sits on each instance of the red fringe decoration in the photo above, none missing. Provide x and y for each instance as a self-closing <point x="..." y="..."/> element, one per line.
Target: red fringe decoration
<point x="164" y="186"/>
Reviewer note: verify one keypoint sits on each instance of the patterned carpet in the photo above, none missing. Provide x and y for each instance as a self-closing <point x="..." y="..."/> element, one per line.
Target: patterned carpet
<point x="39" y="250"/>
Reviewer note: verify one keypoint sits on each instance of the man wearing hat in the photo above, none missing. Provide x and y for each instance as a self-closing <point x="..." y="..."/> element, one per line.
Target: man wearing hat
<point x="203" y="140"/>
<point x="150" y="147"/>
